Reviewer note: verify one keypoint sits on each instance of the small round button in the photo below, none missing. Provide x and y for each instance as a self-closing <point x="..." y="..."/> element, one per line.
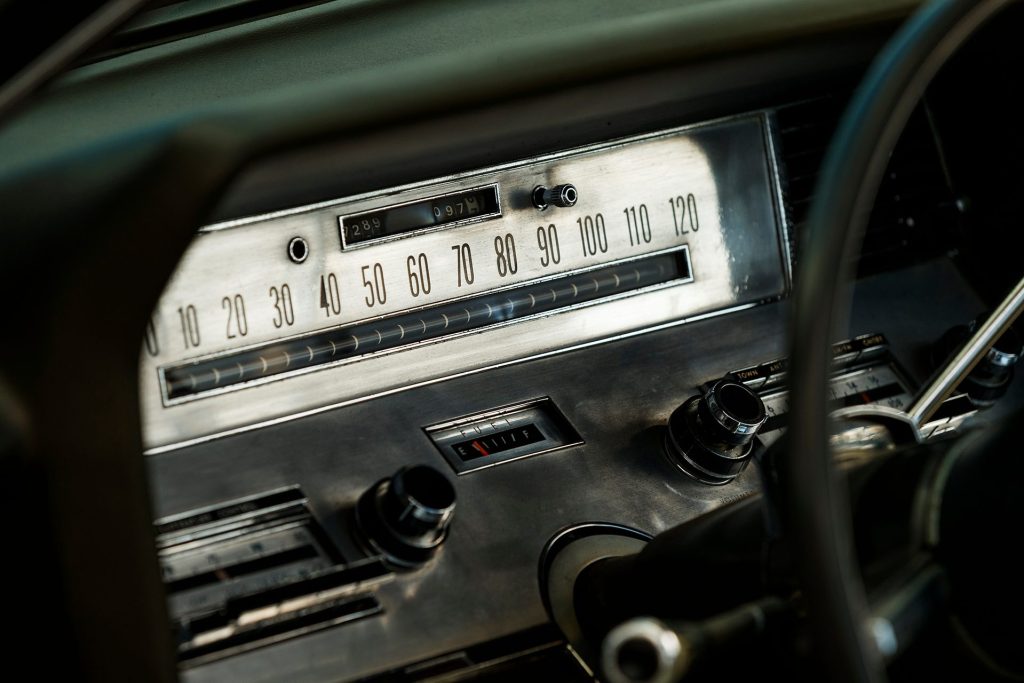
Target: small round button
<point x="559" y="195"/>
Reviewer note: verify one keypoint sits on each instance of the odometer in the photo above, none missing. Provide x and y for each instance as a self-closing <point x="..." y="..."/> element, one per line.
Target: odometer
<point x="462" y="207"/>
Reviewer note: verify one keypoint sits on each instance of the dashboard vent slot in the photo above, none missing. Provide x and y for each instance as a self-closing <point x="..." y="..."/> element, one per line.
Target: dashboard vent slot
<point x="915" y="215"/>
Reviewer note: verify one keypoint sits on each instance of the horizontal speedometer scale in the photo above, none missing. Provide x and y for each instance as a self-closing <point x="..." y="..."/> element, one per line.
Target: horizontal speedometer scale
<point x="301" y="354"/>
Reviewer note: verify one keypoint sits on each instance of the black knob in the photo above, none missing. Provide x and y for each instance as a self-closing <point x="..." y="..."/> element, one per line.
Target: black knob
<point x="559" y="195"/>
<point x="406" y="517"/>
<point x="710" y="437"/>
<point x="992" y="376"/>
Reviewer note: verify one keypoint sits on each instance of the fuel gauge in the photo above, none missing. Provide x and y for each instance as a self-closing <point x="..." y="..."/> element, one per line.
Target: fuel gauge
<point x="502" y="435"/>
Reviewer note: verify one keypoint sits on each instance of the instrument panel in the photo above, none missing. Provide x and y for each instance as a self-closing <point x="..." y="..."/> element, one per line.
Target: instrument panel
<point x="280" y="315"/>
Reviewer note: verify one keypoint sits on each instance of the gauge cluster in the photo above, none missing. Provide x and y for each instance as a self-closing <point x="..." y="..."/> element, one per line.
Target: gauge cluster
<point x="283" y="314"/>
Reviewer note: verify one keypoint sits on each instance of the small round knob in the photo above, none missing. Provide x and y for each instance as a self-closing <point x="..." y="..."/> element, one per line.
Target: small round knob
<point x="710" y="437"/>
<point x="559" y="195"/>
<point x="406" y="517"/>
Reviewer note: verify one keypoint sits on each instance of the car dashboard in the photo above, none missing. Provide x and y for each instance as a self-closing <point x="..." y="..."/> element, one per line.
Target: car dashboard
<point x="398" y="362"/>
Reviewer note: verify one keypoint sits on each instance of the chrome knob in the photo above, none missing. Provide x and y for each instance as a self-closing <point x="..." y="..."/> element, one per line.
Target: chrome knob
<point x="644" y="650"/>
<point x="559" y="195"/>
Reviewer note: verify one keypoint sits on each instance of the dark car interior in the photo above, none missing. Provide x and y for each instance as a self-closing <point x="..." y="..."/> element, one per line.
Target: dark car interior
<point x="563" y="340"/>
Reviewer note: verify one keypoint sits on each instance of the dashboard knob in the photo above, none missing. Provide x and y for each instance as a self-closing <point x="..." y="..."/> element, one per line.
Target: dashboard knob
<point x="559" y="195"/>
<point x="710" y="437"/>
<point x="991" y="377"/>
<point x="406" y="517"/>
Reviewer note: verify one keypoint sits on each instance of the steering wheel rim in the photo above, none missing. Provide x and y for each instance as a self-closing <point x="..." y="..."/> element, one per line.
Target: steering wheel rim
<point x="816" y="505"/>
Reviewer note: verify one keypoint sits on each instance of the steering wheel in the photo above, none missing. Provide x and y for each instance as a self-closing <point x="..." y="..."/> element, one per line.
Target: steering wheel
<point x="816" y="505"/>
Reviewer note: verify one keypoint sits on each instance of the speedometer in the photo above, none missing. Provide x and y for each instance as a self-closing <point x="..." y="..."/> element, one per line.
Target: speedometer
<point x="301" y="309"/>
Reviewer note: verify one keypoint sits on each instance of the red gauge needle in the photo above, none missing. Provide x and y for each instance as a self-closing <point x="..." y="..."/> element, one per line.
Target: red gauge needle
<point x="483" y="451"/>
